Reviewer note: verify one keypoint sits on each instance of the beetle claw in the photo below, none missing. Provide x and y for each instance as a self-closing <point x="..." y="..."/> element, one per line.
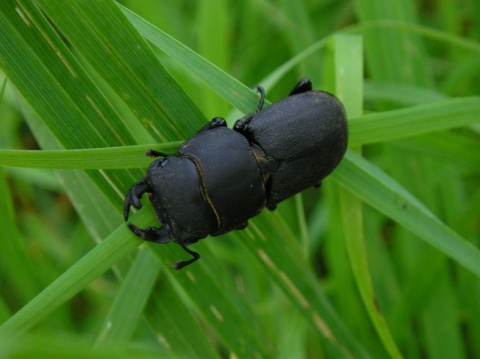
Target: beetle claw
<point x="151" y="234"/>
<point x="181" y="264"/>
<point x="133" y="197"/>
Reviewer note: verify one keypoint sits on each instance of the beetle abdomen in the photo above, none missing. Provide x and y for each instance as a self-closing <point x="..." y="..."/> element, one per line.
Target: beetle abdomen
<point x="306" y="134"/>
<point x="230" y="175"/>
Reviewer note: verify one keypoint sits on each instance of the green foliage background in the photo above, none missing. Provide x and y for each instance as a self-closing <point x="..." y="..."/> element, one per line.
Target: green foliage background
<point x="382" y="261"/>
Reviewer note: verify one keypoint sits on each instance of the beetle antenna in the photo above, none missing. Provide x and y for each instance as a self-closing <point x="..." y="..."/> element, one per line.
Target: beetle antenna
<point x="181" y="264"/>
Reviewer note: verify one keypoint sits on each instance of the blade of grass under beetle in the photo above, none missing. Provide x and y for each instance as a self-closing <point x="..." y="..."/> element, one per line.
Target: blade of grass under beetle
<point x="366" y="129"/>
<point x="99" y="158"/>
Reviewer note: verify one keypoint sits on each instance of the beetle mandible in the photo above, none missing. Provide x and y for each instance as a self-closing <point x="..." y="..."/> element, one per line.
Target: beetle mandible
<point x="221" y="177"/>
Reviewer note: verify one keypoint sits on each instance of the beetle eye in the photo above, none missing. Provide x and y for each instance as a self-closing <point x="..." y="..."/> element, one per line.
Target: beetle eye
<point x="164" y="162"/>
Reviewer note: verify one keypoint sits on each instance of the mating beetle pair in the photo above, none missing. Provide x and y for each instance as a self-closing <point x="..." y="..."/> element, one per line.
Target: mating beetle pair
<point x="222" y="177"/>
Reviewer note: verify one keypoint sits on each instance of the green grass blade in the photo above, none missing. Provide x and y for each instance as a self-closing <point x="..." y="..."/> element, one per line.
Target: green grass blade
<point x="416" y="120"/>
<point x="225" y="85"/>
<point x="290" y="270"/>
<point x="126" y="310"/>
<point x="380" y="191"/>
<point x="349" y="80"/>
<point x="235" y="319"/>
<point x="102" y="158"/>
<point x="114" y="248"/>
<point x="165" y="314"/>
<point x="149" y="91"/>
<point x="389" y="52"/>
<point x="98" y="89"/>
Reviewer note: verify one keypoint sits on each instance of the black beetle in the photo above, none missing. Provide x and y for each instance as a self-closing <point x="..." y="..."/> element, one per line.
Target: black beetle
<point x="222" y="177"/>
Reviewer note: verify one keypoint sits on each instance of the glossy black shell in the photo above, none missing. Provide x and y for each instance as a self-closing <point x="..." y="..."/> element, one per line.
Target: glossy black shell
<point x="306" y="135"/>
<point x="230" y="175"/>
<point x="221" y="177"/>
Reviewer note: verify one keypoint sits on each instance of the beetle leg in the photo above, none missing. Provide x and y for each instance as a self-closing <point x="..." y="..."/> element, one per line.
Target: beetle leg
<point x="214" y="123"/>
<point x="241" y="124"/>
<point x="151" y="234"/>
<point x="303" y="85"/>
<point x="242" y="225"/>
<point x="271" y="207"/>
<point x="261" y="91"/>
<point x="133" y="197"/>
<point x="153" y="153"/>
<point x="181" y="264"/>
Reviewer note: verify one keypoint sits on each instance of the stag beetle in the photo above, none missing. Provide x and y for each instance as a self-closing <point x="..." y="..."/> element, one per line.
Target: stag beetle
<point x="222" y="177"/>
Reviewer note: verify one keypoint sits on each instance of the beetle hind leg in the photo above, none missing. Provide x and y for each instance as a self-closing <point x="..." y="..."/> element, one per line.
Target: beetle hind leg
<point x="303" y="85"/>
<point x="181" y="264"/>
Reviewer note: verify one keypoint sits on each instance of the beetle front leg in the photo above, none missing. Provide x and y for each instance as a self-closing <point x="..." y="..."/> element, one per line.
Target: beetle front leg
<point x="151" y="234"/>
<point x="133" y="197"/>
